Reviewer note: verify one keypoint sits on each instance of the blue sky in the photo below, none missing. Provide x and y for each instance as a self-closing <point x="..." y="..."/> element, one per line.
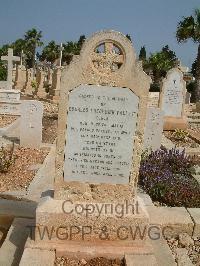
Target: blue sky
<point x="149" y="22"/>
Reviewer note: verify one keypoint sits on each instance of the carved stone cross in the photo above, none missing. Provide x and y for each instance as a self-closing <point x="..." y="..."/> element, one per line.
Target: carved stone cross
<point x="109" y="60"/>
<point x="10" y="58"/>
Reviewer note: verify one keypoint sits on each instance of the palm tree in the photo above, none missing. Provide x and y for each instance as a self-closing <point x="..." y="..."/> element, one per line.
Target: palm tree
<point x="160" y="62"/>
<point x="18" y="46"/>
<point x="32" y="41"/>
<point x="189" y="28"/>
<point x="51" y="52"/>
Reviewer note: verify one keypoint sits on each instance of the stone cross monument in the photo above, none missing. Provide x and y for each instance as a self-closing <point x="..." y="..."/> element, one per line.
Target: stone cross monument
<point x="10" y="59"/>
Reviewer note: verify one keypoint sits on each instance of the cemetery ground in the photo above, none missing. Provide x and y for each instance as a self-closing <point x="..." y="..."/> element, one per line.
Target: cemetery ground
<point x="26" y="161"/>
<point x="48" y="166"/>
<point x="26" y="164"/>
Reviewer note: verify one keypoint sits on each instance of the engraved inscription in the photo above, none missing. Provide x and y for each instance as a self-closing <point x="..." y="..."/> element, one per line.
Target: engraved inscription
<point x="10" y="108"/>
<point x="101" y="124"/>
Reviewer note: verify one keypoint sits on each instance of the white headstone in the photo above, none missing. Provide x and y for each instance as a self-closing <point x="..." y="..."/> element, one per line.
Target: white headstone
<point x="173" y="94"/>
<point x="10" y="102"/>
<point x="31" y="124"/>
<point x="10" y="58"/>
<point x="153" y="129"/>
<point x="100" y="132"/>
<point x="9" y="96"/>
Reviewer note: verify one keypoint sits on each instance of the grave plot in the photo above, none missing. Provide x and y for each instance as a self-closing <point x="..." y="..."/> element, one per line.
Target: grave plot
<point x="101" y="120"/>
<point x="185" y="249"/>
<point x="17" y="167"/>
<point x="6" y="120"/>
<point x="167" y="176"/>
<point x="181" y="138"/>
<point x="24" y="152"/>
<point x="178" y="117"/>
<point x="49" y="120"/>
<point x="103" y="127"/>
<point x="91" y="262"/>
<point x="22" y="156"/>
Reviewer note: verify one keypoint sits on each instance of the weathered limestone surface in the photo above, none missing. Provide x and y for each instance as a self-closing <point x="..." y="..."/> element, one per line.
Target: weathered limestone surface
<point x="176" y="218"/>
<point x="17" y="208"/>
<point x="96" y="91"/>
<point x="29" y="90"/>
<point x="153" y="129"/>
<point x="53" y="213"/>
<point x="9" y="102"/>
<point x="13" y="246"/>
<point x="195" y="214"/>
<point x="111" y="68"/>
<point x="40" y="79"/>
<point x="144" y="260"/>
<point x="37" y="257"/>
<point x="20" y="79"/>
<point x="153" y="100"/>
<point x="56" y="84"/>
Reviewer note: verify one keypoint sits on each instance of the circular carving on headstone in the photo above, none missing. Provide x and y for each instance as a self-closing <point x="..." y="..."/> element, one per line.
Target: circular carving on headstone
<point x="107" y="57"/>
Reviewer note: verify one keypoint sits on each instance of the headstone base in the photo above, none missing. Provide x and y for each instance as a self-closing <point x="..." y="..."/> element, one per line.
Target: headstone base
<point x="56" y="99"/>
<point x="89" y="250"/>
<point x="172" y="123"/>
<point x="29" y="90"/>
<point x="58" y="221"/>
<point x="42" y="94"/>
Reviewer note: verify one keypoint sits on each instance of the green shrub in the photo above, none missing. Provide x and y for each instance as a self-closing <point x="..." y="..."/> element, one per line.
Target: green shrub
<point x="180" y="134"/>
<point x="34" y="84"/>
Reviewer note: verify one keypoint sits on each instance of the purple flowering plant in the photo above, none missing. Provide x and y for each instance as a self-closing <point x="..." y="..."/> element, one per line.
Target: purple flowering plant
<point x="166" y="176"/>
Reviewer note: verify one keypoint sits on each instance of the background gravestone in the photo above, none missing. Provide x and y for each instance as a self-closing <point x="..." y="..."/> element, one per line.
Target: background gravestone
<point x="187" y="98"/>
<point x="20" y="79"/>
<point x="9" y="58"/>
<point x="9" y="98"/>
<point x="31" y="124"/>
<point x="28" y="89"/>
<point x="153" y="129"/>
<point x="55" y="87"/>
<point x="153" y="99"/>
<point x="172" y="100"/>
<point x="40" y="79"/>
